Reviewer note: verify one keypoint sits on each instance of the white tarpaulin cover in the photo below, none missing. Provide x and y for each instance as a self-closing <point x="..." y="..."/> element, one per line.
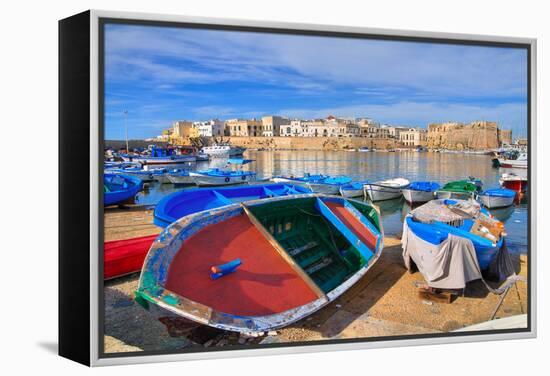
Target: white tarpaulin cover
<point x="449" y="265"/>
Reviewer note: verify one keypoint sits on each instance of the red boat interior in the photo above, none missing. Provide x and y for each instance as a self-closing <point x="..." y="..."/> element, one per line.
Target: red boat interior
<point x="260" y="285"/>
<point x="352" y="223"/>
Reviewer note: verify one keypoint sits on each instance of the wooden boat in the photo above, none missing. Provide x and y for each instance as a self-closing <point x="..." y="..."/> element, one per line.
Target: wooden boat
<point x="386" y="189"/>
<point x="317" y="183"/>
<point x="434" y="221"/>
<point x="460" y="189"/>
<point x="119" y="188"/>
<point x="215" y="176"/>
<point x="122" y="257"/>
<point x="137" y="172"/>
<point x="180" y="177"/>
<point x="514" y="182"/>
<point x="497" y="198"/>
<point x="420" y="191"/>
<point x="296" y="255"/>
<point x="353" y="189"/>
<point x="182" y="203"/>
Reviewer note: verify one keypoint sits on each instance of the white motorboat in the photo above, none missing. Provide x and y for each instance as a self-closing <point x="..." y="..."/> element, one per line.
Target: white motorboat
<point x="223" y="151"/>
<point x="385" y="189"/>
<point x="520" y="162"/>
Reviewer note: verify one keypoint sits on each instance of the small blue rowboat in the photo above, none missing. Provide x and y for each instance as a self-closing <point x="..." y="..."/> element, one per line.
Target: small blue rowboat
<point x="317" y="183"/>
<point x="353" y="189"/>
<point x="182" y="203"/>
<point x="497" y="198"/>
<point x="434" y="221"/>
<point x="137" y="172"/>
<point x="216" y="176"/>
<point x="119" y="188"/>
<point x="420" y="191"/>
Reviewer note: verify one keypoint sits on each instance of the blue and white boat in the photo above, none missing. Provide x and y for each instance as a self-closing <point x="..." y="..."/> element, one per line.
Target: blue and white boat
<point x="186" y="202"/>
<point x="385" y="189"/>
<point x="497" y="198"/>
<point x="420" y="191"/>
<point x="137" y="172"/>
<point x="215" y="176"/>
<point x="353" y="189"/>
<point x="435" y="221"/>
<point x="180" y="177"/>
<point x="317" y="183"/>
<point x="119" y="188"/>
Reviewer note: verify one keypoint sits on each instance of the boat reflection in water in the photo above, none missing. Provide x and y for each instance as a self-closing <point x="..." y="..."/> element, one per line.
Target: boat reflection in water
<point x="503" y="214"/>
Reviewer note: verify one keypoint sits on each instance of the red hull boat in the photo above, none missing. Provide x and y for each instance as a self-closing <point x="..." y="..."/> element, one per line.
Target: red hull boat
<point x="126" y="256"/>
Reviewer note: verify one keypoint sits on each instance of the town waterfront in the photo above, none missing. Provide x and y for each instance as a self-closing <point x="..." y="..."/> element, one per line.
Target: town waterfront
<point x="415" y="166"/>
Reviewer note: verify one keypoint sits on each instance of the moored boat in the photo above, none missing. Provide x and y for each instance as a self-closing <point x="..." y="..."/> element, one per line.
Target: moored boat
<point x="137" y="172"/>
<point x="180" y="177"/>
<point x="120" y="188"/>
<point x="514" y="182"/>
<point x="519" y="161"/>
<point x="182" y="203"/>
<point x="223" y="151"/>
<point x="353" y="189"/>
<point x="460" y="189"/>
<point x="385" y="189"/>
<point x="274" y="261"/>
<point x="497" y="198"/>
<point x="420" y="191"/>
<point x="215" y="176"/>
<point x="317" y="183"/>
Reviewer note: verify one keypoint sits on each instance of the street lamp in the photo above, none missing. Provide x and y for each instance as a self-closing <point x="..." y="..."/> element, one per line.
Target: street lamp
<point x="126" y="129"/>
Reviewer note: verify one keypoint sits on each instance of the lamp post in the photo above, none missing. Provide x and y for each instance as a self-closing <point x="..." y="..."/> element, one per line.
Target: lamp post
<point x="126" y="129"/>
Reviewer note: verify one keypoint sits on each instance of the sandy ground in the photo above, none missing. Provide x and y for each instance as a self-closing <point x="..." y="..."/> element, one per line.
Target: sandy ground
<point x="384" y="303"/>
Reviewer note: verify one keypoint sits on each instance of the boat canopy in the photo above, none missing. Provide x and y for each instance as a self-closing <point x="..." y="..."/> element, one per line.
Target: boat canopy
<point x="425" y="186"/>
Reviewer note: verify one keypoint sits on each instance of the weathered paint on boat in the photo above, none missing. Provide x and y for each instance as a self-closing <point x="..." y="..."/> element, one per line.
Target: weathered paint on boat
<point x="497" y="198"/>
<point x="118" y="188"/>
<point x="385" y="190"/>
<point x="182" y="203"/>
<point x="460" y="189"/>
<point x="122" y="257"/>
<point x="421" y="191"/>
<point x="298" y="253"/>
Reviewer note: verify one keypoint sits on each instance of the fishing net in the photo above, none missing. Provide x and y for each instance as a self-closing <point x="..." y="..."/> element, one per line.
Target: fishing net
<point x="451" y="212"/>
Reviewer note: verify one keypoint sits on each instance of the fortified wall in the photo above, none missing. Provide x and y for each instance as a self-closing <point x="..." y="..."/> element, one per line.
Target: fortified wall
<point x="478" y="135"/>
<point x="312" y="143"/>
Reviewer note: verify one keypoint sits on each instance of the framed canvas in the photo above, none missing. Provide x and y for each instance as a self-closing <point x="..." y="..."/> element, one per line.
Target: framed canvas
<point x="265" y="188"/>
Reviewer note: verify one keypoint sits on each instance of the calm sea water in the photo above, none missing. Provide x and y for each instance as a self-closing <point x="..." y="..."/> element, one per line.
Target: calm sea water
<point x="374" y="166"/>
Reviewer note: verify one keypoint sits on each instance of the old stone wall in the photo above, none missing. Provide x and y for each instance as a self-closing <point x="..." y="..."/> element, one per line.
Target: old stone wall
<point x="479" y="135"/>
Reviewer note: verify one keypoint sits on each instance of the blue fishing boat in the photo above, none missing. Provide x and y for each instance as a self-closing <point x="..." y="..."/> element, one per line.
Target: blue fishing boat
<point x="497" y="198"/>
<point x="119" y="188"/>
<point x="137" y="172"/>
<point x="353" y="189"/>
<point x="182" y="203"/>
<point x="317" y="183"/>
<point x="216" y="176"/>
<point x="180" y="177"/>
<point x="435" y="221"/>
<point x="420" y="191"/>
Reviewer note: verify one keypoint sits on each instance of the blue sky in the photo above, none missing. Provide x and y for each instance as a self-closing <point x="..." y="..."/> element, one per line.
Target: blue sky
<point x="160" y="75"/>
